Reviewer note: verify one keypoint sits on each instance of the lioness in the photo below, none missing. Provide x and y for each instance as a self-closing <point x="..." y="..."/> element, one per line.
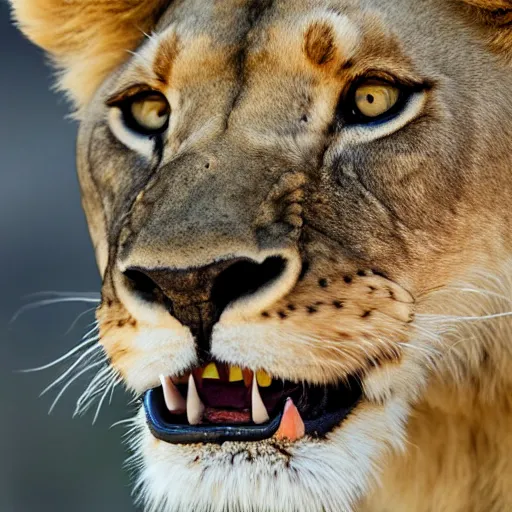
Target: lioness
<point x="301" y="213"/>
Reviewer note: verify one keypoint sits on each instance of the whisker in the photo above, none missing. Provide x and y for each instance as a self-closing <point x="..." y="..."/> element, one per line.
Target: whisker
<point x="77" y="319"/>
<point x="126" y="421"/>
<point x="75" y="377"/>
<point x="133" y="400"/>
<point x="478" y="291"/>
<point x="62" y="358"/>
<point x="71" y="368"/>
<point x="141" y="58"/>
<point x="93" y="389"/>
<point x="152" y="37"/>
<point x="465" y="318"/>
<point x="49" y="302"/>
<point x="112" y="394"/>
<point x="112" y="384"/>
<point x="91" y="331"/>
<point x="55" y="293"/>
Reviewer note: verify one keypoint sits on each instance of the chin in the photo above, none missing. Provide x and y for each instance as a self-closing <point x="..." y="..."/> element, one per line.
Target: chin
<point x="317" y="475"/>
<point x="249" y="467"/>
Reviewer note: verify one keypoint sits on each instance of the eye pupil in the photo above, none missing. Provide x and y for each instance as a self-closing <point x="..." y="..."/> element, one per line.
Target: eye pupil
<point x="373" y="99"/>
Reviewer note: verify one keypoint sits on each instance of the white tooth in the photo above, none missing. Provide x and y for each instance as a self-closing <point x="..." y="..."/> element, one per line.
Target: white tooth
<point x="259" y="411"/>
<point x="173" y="399"/>
<point x="195" y="407"/>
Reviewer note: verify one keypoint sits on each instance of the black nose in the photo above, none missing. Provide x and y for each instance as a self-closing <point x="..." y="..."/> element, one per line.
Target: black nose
<point x="197" y="297"/>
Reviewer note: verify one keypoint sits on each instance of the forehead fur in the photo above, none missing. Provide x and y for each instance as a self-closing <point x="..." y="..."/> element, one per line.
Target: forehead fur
<point x="291" y="39"/>
<point x="88" y="39"/>
<point x="303" y="52"/>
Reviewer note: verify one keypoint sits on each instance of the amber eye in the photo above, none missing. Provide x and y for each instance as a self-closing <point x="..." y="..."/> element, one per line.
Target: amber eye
<point x="147" y="113"/>
<point x="373" y="99"/>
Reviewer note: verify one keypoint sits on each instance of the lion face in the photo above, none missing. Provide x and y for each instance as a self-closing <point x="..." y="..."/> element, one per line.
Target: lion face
<point x="274" y="190"/>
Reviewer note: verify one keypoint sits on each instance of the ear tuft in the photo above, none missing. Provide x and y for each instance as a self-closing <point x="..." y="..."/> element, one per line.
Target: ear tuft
<point x="86" y="39"/>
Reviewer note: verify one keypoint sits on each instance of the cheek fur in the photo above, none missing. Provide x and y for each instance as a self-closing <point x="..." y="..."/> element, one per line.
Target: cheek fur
<point x="141" y="352"/>
<point x="328" y="326"/>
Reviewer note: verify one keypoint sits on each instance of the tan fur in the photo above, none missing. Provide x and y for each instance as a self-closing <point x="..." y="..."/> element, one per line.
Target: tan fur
<point x="489" y="5"/>
<point x="459" y="434"/>
<point x="496" y="19"/>
<point x="87" y="39"/>
<point x="404" y="225"/>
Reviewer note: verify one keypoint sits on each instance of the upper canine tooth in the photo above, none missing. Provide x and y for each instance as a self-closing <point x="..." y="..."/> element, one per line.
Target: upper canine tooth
<point x="258" y="409"/>
<point x="195" y="407"/>
<point x="173" y="399"/>
<point x="264" y="379"/>
<point x="211" y="372"/>
<point x="235" y="374"/>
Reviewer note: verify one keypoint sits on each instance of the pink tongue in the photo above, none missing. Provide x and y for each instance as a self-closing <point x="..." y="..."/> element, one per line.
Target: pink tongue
<point x="292" y="427"/>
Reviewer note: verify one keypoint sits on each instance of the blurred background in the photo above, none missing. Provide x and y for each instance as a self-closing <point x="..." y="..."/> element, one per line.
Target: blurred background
<point x="48" y="462"/>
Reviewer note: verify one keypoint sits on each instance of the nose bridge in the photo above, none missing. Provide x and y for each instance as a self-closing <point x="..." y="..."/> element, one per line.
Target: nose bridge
<point x="203" y="207"/>
<point x="206" y="234"/>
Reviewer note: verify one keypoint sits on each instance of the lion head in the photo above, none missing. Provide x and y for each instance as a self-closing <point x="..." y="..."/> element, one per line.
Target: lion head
<point x="284" y="197"/>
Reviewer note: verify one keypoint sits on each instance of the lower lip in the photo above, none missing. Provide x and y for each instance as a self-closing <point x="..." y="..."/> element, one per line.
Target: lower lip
<point x="161" y="429"/>
<point x="188" y="434"/>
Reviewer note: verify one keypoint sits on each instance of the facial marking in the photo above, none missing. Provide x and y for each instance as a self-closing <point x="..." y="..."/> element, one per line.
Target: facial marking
<point x="350" y="322"/>
<point x="319" y="44"/>
<point x="331" y="41"/>
<point x="166" y="53"/>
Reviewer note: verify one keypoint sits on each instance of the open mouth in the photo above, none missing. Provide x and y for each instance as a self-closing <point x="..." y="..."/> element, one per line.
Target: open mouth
<point x="218" y="402"/>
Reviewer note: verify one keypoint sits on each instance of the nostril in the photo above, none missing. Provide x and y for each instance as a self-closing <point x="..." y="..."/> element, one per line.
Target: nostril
<point x="197" y="296"/>
<point x="142" y="285"/>
<point x="245" y="278"/>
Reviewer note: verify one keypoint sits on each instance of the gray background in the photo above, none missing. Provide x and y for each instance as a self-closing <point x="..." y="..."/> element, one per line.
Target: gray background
<point x="47" y="463"/>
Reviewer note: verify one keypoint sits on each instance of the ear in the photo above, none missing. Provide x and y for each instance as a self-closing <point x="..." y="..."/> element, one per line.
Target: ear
<point x="495" y="17"/>
<point x="86" y="39"/>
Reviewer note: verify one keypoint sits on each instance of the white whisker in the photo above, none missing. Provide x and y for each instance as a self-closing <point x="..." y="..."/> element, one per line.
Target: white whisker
<point x="91" y="331"/>
<point x="126" y="421"/>
<point x="466" y="318"/>
<point x="49" y="302"/>
<point x="54" y="293"/>
<point x="77" y="319"/>
<point x="112" y="384"/>
<point x="488" y="293"/>
<point x="112" y="392"/>
<point x="71" y="368"/>
<point x="60" y="359"/>
<point x="94" y="387"/>
<point x="79" y="374"/>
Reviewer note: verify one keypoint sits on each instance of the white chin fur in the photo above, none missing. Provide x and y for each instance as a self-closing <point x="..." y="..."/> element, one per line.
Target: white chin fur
<point x="320" y="476"/>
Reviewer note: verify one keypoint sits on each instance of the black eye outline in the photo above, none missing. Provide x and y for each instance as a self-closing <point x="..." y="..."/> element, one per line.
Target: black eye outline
<point x="125" y="104"/>
<point x="347" y="112"/>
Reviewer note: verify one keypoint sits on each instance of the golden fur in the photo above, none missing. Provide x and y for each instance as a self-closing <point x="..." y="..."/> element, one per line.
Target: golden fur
<point x="405" y="227"/>
<point x="86" y="40"/>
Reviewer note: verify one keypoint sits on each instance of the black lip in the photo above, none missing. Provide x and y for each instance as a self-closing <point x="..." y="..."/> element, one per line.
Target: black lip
<point x="160" y="427"/>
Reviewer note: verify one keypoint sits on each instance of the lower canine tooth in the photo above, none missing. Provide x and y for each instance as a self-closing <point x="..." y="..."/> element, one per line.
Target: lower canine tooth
<point x="259" y="411"/>
<point x="195" y="407"/>
<point x="173" y="399"/>
<point x="292" y="427"/>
